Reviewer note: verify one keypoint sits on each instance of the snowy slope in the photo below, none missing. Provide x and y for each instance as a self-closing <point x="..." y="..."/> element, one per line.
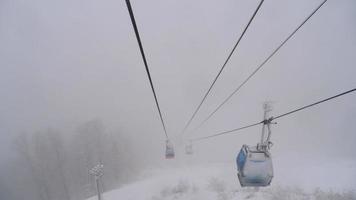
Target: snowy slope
<point x="219" y="182"/>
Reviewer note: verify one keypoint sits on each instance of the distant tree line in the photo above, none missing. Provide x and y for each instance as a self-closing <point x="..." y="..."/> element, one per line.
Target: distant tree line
<point x="51" y="165"/>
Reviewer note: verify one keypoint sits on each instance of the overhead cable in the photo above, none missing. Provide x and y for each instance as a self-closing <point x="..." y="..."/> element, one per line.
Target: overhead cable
<point x="145" y="62"/>
<point x="274" y="118"/>
<point x="222" y="68"/>
<point x="259" y="67"/>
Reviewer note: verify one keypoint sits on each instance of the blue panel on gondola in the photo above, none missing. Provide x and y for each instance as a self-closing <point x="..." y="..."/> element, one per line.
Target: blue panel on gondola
<point x="240" y="159"/>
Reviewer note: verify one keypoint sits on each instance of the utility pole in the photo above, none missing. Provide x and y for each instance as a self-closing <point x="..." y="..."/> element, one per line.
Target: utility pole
<point x="97" y="172"/>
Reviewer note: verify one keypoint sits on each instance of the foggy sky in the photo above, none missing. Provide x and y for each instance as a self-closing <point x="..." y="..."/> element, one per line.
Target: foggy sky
<point x="65" y="62"/>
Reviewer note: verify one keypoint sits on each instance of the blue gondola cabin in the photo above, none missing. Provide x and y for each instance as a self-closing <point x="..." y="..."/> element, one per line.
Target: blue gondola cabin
<point x="254" y="167"/>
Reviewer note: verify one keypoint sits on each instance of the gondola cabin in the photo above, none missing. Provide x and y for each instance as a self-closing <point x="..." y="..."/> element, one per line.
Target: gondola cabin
<point x="169" y="150"/>
<point x="254" y="167"/>
<point x="189" y="149"/>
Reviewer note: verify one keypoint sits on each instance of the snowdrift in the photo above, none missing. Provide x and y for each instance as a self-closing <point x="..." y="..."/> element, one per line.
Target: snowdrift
<point x="219" y="182"/>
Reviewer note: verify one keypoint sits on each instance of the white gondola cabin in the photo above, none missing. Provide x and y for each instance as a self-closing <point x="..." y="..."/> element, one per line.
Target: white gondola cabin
<point x="254" y="164"/>
<point x="254" y="167"/>
<point x="189" y="149"/>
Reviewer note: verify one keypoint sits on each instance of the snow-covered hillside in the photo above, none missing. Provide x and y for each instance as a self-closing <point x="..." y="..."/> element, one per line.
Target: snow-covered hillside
<point x="219" y="182"/>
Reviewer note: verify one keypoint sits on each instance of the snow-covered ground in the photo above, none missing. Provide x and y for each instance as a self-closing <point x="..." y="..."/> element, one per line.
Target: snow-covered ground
<point x="218" y="181"/>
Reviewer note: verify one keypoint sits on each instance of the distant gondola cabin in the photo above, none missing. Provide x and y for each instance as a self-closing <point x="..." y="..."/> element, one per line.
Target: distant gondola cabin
<point x="189" y="149"/>
<point x="169" y="150"/>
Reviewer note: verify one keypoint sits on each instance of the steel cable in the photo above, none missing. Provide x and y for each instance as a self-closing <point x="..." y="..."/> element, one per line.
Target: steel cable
<point x="274" y="118"/>
<point x="259" y="67"/>
<point x="145" y="62"/>
<point x="222" y="68"/>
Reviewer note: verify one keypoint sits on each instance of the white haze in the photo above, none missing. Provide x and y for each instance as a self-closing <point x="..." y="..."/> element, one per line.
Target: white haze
<point x="63" y="63"/>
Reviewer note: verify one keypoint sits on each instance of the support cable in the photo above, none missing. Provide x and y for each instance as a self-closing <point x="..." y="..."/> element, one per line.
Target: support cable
<point x="259" y="67"/>
<point x="267" y="121"/>
<point x="145" y="62"/>
<point x="313" y="104"/>
<point x="222" y="68"/>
